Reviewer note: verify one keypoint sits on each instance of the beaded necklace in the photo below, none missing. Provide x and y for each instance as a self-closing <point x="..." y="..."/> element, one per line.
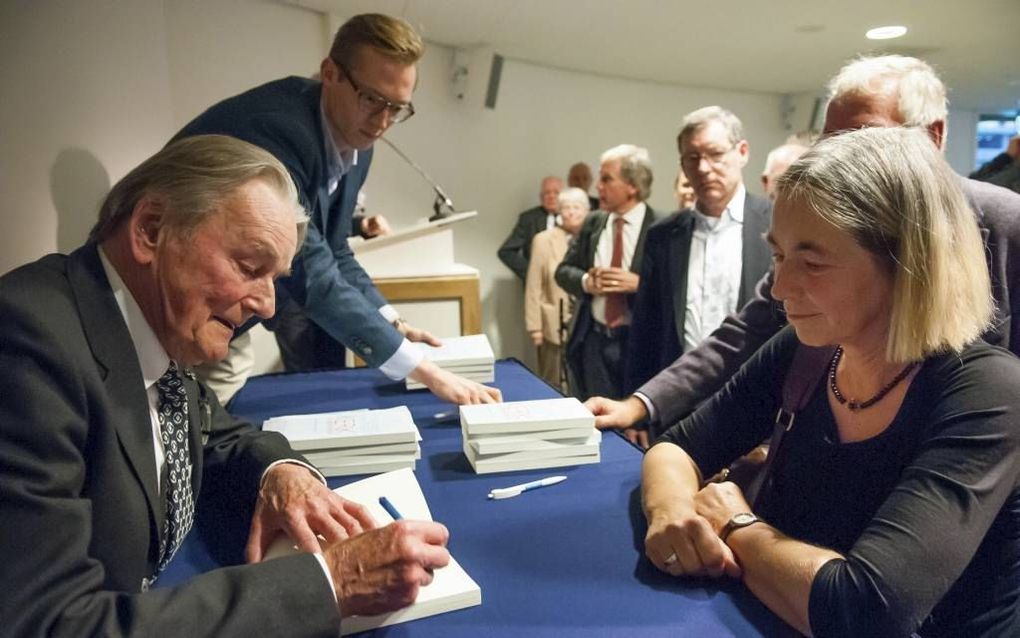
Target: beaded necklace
<point x="852" y="404"/>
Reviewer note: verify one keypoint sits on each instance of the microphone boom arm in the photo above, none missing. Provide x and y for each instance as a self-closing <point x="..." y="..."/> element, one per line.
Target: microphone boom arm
<point x="442" y="207"/>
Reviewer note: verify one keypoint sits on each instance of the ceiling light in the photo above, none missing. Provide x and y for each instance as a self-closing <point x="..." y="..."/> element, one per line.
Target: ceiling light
<point x="885" y="33"/>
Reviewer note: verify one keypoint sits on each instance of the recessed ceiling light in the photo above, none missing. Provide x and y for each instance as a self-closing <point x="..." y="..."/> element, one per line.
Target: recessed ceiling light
<point x="885" y="33"/>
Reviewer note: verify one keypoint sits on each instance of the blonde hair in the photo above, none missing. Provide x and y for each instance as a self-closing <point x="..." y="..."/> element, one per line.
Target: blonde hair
<point x="191" y="177"/>
<point x="635" y="167"/>
<point x="893" y="193"/>
<point x="392" y="37"/>
<point x="920" y="94"/>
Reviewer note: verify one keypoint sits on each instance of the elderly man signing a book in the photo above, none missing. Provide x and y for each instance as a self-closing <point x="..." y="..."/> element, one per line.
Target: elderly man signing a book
<point x="105" y="434"/>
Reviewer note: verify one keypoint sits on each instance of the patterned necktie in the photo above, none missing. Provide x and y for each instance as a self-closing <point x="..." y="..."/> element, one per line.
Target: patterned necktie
<point x="173" y="428"/>
<point x="616" y="302"/>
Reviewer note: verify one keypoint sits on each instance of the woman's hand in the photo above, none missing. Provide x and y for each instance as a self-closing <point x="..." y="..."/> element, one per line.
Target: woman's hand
<point x="718" y="502"/>
<point x="685" y="544"/>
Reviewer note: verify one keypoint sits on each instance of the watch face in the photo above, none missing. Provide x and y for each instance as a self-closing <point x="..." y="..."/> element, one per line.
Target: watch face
<point x="744" y="518"/>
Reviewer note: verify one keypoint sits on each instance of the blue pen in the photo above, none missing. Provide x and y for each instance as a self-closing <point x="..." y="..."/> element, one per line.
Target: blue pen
<point x="390" y="509"/>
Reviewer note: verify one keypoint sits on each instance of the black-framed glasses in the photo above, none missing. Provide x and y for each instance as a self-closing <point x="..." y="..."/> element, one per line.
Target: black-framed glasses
<point x="714" y="158"/>
<point x="371" y="103"/>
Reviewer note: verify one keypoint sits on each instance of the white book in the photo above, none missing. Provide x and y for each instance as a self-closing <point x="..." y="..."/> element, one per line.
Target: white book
<point x="515" y="417"/>
<point x="451" y="588"/>
<point x="477" y="378"/>
<point x="460" y="351"/>
<point x="553" y="450"/>
<point x="408" y="447"/>
<point x="345" y="429"/>
<point x="369" y="467"/>
<point x="341" y="457"/>
<point x="485" y="445"/>
<point x="489" y="466"/>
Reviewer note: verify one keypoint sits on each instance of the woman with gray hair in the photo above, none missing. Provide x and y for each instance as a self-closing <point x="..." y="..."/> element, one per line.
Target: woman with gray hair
<point x="912" y="432"/>
<point x="546" y="305"/>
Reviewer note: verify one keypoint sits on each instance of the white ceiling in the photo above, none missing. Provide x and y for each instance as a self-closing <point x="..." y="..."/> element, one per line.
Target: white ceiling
<point x="778" y="46"/>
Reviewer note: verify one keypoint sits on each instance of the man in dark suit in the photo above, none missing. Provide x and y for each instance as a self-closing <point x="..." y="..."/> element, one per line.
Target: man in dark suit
<point x="515" y="251"/>
<point x="870" y="91"/>
<point x="105" y="435"/>
<point x="601" y="269"/>
<point x="323" y="133"/>
<point x="700" y="264"/>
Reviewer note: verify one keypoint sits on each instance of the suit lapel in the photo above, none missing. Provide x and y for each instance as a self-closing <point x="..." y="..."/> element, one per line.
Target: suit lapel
<point x="593" y="244"/>
<point x="755" y="254"/>
<point x="679" y="257"/>
<point x="111" y="346"/>
<point x="639" y="249"/>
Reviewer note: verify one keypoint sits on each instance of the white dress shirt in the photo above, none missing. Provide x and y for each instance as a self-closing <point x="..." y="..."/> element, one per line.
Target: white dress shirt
<point x="713" y="270"/>
<point x="632" y="221"/>
<point x="154" y="361"/>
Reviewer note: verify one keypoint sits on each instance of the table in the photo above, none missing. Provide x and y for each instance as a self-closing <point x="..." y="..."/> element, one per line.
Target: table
<point x="561" y="561"/>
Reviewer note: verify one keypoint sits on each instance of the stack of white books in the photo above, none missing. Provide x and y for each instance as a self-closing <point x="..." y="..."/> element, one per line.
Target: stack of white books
<point x="470" y="357"/>
<point x="355" y="442"/>
<point x="529" y="435"/>
<point x="451" y="587"/>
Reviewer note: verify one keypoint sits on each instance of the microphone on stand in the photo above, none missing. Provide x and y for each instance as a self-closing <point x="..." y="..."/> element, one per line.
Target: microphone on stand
<point x="442" y="207"/>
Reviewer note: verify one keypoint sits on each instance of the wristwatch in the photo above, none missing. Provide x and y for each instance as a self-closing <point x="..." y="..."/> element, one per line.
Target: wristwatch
<point x="742" y="519"/>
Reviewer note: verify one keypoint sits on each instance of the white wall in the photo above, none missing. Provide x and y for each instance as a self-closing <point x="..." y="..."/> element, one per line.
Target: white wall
<point x="98" y="87"/>
<point x="961" y="140"/>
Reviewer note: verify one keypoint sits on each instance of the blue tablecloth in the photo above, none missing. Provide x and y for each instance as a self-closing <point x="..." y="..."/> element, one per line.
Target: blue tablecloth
<point x="560" y="561"/>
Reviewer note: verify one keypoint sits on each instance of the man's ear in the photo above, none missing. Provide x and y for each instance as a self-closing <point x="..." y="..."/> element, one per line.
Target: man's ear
<point x="744" y="152"/>
<point x="144" y="228"/>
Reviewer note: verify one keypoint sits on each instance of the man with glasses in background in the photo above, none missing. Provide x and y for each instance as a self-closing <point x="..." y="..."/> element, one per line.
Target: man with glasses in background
<point x="323" y="133"/>
<point x="701" y="264"/>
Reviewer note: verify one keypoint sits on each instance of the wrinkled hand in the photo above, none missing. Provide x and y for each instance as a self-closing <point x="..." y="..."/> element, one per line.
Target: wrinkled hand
<point x="375" y="226"/>
<point x="417" y="334"/>
<point x="718" y="502"/>
<point x="450" y="387"/>
<point x="685" y="544"/>
<point x="536" y="339"/>
<point x="590" y="283"/>
<point x="616" y="414"/>
<point x="382" y="570"/>
<point x="617" y="280"/>
<point x="294" y="501"/>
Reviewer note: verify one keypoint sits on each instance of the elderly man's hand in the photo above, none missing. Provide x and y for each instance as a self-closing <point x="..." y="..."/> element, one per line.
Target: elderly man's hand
<point x="382" y="570"/>
<point x="294" y="501"/>
<point x="618" y="280"/>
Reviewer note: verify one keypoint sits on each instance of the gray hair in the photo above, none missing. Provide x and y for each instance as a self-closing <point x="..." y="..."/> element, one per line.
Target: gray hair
<point x="893" y="193"/>
<point x="787" y="153"/>
<point x="695" y="120"/>
<point x="574" y="196"/>
<point x="191" y="177"/>
<point x="635" y="167"/>
<point x="921" y="95"/>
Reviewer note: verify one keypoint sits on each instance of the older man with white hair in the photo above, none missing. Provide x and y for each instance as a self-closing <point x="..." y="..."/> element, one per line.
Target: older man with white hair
<point x="778" y="160"/>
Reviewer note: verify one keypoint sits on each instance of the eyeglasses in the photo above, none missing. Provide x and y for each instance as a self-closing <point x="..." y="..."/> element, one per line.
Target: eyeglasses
<point x="714" y="158"/>
<point x="371" y="103"/>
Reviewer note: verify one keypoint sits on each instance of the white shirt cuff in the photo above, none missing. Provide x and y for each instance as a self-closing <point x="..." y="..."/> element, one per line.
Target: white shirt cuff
<point x="310" y="468"/>
<point x="389" y="313"/>
<point x="584" y="282"/>
<point x="403" y="362"/>
<point x="649" y="406"/>
<point x="329" y="579"/>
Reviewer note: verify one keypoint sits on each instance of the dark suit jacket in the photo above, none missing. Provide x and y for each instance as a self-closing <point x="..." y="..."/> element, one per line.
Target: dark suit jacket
<point x="657" y="337"/>
<point x="677" y="390"/>
<point x="579" y="258"/>
<point x="515" y="251"/>
<point x="78" y="489"/>
<point x="326" y="281"/>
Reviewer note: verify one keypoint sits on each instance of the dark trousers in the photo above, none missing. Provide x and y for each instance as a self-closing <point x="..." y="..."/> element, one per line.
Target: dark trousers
<point x="303" y="344"/>
<point x="601" y="363"/>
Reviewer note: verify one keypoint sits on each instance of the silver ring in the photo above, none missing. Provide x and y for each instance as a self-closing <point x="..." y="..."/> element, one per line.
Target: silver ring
<point x="670" y="559"/>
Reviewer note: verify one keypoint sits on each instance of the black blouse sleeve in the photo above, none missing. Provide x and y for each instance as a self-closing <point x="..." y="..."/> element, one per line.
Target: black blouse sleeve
<point x="740" y="415"/>
<point x="926" y="533"/>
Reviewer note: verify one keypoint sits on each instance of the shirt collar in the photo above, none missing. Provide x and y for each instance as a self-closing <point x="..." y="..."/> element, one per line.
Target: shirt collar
<point x="152" y="358"/>
<point x="337" y="162"/>
<point x="634" y="215"/>
<point x="734" y="209"/>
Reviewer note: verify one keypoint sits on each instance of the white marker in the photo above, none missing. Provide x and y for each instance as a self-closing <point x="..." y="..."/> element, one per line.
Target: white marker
<point x="514" y="490"/>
